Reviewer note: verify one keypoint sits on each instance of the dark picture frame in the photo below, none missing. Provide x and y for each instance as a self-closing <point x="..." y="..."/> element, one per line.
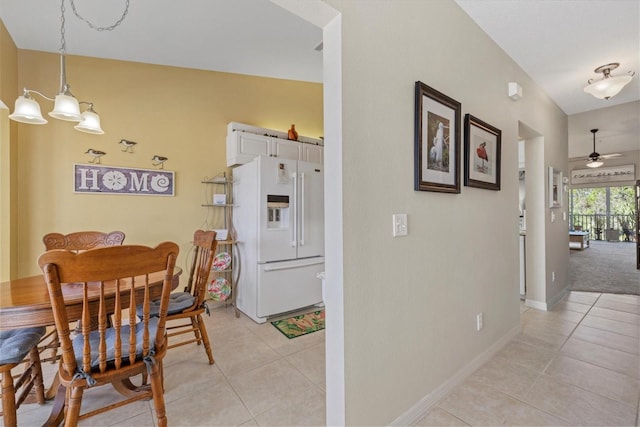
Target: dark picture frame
<point x="436" y="141"/>
<point x="483" y="152"/>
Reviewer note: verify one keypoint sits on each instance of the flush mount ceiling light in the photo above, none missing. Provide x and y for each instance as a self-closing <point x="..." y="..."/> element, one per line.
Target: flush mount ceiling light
<point x="609" y="85"/>
<point x="66" y="106"/>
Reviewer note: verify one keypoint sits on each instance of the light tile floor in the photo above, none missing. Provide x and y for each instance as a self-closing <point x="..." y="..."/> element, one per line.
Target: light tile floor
<point x="259" y="378"/>
<point x="575" y="365"/>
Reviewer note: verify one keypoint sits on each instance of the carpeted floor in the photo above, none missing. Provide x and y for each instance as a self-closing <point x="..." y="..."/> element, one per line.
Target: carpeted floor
<point x="605" y="267"/>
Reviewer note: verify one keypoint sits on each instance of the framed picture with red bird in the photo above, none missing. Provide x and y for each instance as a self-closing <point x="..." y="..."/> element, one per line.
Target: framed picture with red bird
<point x="482" y="148"/>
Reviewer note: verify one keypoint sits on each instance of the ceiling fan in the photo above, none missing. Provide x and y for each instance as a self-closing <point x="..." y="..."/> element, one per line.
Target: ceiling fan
<point x="595" y="159"/>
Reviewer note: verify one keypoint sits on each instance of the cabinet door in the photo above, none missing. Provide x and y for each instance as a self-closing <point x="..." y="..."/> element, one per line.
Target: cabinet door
<point x="285" y="149"/>
<point x="312" y="153"/>
<point x="242" y="147"/>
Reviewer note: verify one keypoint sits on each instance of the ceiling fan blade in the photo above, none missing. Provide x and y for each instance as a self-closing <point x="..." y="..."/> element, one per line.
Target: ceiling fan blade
<point x="610" y="156"/>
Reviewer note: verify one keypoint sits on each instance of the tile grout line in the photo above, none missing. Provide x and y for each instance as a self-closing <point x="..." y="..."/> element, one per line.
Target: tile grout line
<point x="559" y="353"/>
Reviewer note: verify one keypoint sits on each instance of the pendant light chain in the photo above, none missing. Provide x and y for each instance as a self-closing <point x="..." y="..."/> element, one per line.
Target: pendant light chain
<point x="63" y="42"/>
<point x="109" y="28"/>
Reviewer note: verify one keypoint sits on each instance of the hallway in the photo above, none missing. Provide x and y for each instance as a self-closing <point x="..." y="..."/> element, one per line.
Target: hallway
<point x="575" y="365"/>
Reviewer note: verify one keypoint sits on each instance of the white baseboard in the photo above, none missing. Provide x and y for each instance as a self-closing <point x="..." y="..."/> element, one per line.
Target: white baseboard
<point x="546" y="306"/>
<point x="536" y="304"/>
<point x="423" y="406"/>
<point x="563" y="293"/>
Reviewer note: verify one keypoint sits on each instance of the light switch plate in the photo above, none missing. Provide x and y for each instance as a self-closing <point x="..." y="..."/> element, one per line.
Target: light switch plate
<point x="400" y="227"/>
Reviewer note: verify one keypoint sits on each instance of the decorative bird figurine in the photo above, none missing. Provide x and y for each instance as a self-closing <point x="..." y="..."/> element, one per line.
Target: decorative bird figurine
<point x="95" y="154"/>
<point x="128" y="145"/>
<point x="159" y="161"/>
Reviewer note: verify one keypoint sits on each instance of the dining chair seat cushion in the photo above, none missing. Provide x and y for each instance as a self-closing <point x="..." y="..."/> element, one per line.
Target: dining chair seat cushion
<point x="178" y="301"/>
<point x="16" y="343"/>
<point x="94" y="341"/>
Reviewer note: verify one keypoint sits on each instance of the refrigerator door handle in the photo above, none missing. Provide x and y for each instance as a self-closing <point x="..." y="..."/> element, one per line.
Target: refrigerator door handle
<point x="289" y="267"/>
<point x="294" y="217"/>
<point x="302" y="209"/>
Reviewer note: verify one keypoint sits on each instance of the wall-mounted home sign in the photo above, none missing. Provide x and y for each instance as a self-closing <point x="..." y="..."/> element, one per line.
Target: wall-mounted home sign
<point x="598" y="175"/>
<point x="114" y="180"/>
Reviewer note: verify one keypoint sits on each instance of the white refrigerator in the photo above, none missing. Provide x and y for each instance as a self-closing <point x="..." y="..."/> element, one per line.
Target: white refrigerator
<point x="279" y="221"/>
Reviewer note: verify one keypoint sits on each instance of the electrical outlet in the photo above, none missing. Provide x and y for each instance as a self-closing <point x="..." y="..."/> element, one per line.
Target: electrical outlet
<point x="479" y="321"/>
<point x="400" y="227"/>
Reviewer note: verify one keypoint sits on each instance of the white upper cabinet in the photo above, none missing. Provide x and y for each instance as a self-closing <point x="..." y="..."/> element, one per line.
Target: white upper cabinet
<point x="244" y="142"/>
<point x="286" y="149"/>
<point x="312" y="153"/>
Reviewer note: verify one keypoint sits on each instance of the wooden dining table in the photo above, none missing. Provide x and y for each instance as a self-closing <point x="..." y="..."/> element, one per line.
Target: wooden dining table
<point x="25" y="303"/>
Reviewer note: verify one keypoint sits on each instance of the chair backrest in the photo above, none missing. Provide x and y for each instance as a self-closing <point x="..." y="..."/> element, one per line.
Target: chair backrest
<point x="82" y="240"/>
<point x="205" y="245"/>
<point x="112" y="279"/>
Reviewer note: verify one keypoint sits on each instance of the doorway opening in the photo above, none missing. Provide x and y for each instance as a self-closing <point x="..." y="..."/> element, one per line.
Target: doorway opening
<point x="608" y="213"/>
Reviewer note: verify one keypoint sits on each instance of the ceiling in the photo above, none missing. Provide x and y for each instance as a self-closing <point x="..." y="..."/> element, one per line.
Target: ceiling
<point x="255" y="37"/>
<point x="558" y="43"/>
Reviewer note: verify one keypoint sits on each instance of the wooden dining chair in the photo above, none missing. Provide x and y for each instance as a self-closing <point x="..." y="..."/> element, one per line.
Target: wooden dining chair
<point x="77" y="242"/>
<point x="82" y="240"/>
<point x="190" y="304"/>
<point x="112" y="280"/>
<point x="18" y="347"/>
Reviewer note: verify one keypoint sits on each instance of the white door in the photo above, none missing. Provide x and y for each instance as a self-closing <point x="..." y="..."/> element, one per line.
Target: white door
<point x="276" y="209"/>
<point x="289" y="285"/>
<point x="310" y="194"/>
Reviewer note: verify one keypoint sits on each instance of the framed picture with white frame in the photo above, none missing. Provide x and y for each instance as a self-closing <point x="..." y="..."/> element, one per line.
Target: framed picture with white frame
<point x="555" y="188"/>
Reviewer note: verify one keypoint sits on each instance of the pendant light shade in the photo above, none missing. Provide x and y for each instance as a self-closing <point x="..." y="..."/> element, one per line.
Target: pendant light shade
<point x="90" y="122"/>
<point x="606" y="88"/>
<point x="27" y="110"/>
<point x="609" y="85"/>
<point x="66" y="108"/>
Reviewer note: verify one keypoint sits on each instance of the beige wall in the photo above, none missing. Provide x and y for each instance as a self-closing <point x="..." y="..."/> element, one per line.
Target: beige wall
<point x="410" y="303"/>
<point x="178" y="113"/>
<point x="621" y="124"/>
<point x="627" y="158"/>
<point x="8" y="157"/>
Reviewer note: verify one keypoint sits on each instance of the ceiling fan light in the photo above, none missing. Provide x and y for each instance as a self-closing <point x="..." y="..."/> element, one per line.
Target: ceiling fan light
<point x="90" y="123"/>
<point x="27" y="110"/>
<point x="595" y="164"/>
<point x="66" y="108"/>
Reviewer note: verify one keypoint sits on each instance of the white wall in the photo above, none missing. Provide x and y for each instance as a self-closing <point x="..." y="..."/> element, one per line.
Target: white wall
<point x="410" y="303"/>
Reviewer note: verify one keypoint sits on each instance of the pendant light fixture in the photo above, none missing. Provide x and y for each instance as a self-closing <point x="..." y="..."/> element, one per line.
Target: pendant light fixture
<point x="66" y="106"/>
<point x="609" y="85"/>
